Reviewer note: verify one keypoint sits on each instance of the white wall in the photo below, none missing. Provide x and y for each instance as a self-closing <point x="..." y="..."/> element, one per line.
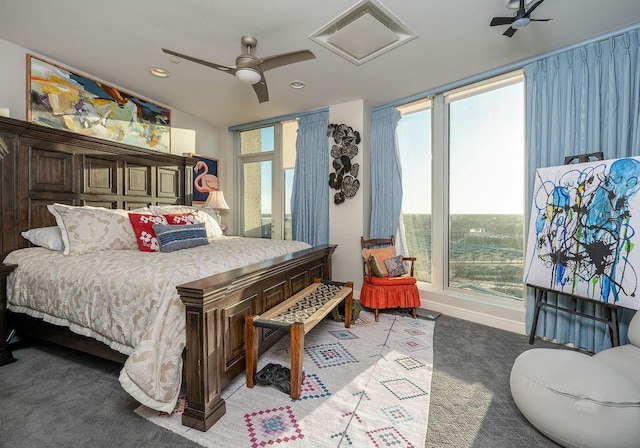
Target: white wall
<point x="13" y="81"/>
<point x="345" y="220"/>
<point x="193" y="135"/>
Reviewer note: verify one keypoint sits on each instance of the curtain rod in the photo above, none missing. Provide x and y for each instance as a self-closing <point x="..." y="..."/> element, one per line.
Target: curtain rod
<point x="504" y="69"/>
<point x="261" y="123"/>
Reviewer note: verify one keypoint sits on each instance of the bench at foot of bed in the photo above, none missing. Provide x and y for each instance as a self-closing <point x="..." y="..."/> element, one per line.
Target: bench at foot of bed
<point x="296" y="315"/>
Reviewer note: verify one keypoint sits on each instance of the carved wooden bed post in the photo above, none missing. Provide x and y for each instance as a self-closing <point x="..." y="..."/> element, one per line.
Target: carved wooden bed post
<point x="202" y="361"/>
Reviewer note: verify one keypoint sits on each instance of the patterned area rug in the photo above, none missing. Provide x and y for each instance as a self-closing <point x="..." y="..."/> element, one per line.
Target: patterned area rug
<point x="366" y="386"/>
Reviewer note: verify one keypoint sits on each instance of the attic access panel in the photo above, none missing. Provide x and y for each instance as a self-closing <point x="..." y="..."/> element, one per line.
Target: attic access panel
<point x="363" y="32"/>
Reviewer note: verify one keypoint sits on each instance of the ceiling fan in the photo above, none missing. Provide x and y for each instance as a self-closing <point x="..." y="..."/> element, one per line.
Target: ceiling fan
<point x="249" y="68"/>
<point x="520" y="19"/>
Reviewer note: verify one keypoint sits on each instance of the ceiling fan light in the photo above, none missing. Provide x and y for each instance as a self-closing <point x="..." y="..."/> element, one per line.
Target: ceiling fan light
<point x="520" y="23"/>
<point x="248" y="75"/>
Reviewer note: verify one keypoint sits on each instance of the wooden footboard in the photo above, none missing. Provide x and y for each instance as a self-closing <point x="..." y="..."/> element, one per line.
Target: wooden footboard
<point x="216" y="308"/>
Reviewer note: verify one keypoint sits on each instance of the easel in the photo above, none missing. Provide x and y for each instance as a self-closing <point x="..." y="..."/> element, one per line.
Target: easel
<point x="610" y="311"/>
<point x="583" y="158"/>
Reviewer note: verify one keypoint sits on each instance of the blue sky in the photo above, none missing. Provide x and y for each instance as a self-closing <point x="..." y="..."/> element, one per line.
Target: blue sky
<point x="486" y="159"/>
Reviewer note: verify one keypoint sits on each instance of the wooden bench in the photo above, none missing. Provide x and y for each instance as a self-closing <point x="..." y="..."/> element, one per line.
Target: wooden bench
<point x="296" y="315"/>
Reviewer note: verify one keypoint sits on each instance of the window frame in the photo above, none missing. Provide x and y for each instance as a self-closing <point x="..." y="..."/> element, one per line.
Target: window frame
<point x="277" y="178"/>
<point x="440" y="175"/>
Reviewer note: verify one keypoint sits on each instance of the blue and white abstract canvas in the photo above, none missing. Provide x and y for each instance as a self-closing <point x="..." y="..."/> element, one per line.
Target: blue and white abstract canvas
<point x="583" y="231"/>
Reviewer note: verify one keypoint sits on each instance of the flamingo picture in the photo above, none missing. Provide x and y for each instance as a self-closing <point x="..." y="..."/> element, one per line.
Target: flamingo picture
<point x="204" y="182"/>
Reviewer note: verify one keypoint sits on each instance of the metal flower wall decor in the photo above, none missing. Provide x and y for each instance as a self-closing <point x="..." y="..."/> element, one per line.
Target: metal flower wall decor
<point x="344" y="179"/>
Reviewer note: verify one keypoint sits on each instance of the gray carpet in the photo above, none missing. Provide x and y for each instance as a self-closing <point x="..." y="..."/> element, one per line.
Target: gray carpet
<point x="54" y="397"/>
<point x="471" y="404"/>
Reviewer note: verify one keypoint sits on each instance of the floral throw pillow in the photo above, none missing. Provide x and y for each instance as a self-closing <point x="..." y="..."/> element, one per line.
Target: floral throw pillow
<point x="86" y="229"/>
<point x="143" y="227"/>
<point x="212" y="226"/>
<point x="395" y="266"/>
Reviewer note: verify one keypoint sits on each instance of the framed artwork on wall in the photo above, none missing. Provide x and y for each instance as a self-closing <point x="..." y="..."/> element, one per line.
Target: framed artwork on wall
<point x="61" y="99"/>
<point x="205" y="177"/>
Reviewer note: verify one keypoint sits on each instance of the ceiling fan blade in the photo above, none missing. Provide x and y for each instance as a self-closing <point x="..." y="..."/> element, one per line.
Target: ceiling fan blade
<point x="510" y="32"/>
<point x="261" y="90"/>
<point x="285" y="58"/>
<point x="535" y="5"/>
<point x="540" y="20"/>
<point x="222" y="68"/>
<point x="496" y="21"/>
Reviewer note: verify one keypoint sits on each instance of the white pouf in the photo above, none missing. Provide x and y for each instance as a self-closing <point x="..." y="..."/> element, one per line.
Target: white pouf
<point x="578" y="400"/>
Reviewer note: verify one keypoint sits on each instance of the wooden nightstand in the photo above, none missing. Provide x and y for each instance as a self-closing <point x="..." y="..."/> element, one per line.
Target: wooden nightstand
<point x="5" y="354"/>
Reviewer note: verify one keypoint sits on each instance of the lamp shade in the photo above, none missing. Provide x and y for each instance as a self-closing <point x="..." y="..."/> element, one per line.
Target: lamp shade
<point x="216" y="201"/>
<point x="248" y="75"/>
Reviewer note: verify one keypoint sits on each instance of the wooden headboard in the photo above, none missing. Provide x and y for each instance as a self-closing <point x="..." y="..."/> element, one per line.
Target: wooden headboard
<point x="40" y="166"/>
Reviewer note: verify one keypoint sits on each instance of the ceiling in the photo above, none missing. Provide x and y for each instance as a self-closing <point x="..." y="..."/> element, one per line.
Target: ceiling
<point x="118" y="40"/>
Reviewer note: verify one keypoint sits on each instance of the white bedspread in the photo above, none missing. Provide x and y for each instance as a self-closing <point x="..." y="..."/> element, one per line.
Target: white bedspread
<point x="128" y="300"/>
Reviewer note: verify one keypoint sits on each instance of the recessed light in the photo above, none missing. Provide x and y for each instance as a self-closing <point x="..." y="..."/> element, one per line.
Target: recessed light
<point x="159" y="72"/>
<point x="297" y="84"/>
<point x="174" y="59"/>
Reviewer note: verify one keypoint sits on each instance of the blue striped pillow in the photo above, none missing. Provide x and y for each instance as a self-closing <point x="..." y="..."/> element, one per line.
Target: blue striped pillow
<point x="171" y="238"/>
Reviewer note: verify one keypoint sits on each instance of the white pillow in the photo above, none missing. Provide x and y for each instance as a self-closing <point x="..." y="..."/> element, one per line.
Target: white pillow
<point x="47" y="237"/>
<point x="210" y="223"/>
<point x="171" y="209"/>
<point x="90" y="229"/>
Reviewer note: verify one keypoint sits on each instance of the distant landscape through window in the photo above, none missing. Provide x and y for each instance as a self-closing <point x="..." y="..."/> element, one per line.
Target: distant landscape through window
<point x="483" y="189"/>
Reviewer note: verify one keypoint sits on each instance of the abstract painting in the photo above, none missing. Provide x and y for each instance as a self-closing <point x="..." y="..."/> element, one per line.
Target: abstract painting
<point x="61" y="99"/>
<point x="205" y="177"/>
<point x="583" y="237"/>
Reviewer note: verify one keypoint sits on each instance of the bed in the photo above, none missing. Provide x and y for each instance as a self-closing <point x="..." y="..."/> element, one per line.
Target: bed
<point x="204" y="301"/>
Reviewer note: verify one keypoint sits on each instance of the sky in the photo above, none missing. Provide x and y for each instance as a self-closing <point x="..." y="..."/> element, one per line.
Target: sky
<point x="486" y="143"/>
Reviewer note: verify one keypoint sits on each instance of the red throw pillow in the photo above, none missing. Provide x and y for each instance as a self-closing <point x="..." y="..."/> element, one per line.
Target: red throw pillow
<point x="181" y="218"/>
<point x="143" y="227"/>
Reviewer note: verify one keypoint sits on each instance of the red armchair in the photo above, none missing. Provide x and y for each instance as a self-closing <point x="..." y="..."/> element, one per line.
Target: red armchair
<point x="380" y="292"/>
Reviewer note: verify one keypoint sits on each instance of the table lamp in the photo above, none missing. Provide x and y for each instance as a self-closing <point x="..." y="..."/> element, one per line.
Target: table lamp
<point x="216" y="202"/>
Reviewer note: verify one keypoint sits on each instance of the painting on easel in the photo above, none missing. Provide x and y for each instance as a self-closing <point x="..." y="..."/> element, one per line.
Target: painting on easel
<point x="584" y="232"/>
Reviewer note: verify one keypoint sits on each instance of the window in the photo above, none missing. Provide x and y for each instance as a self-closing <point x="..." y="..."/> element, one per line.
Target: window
<point x="462" y="158"/>
<point x="266" y="159"/>
<point x="486" y="190"/>
<point x="257" y="217"/>
<point x="414" y="148"/>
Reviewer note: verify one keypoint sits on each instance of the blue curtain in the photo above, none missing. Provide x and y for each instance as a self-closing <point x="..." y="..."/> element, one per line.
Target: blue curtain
<point x="310" y="195"/>
<point x="386" y="182"/>
<point x="581" y="101"/>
